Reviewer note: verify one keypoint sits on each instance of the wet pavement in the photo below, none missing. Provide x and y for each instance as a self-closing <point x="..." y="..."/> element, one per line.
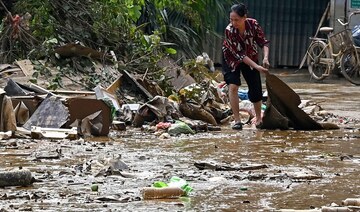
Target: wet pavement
<point x="305" y="169"/>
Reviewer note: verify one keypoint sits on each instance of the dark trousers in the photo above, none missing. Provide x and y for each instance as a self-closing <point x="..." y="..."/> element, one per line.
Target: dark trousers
<point x="251" y="76"/>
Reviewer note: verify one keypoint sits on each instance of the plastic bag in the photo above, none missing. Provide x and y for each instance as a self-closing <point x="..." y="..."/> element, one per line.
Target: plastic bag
<point x="356" y="35"/>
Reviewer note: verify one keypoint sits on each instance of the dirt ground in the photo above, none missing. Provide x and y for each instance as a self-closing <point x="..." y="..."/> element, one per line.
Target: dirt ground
<point x="301" y="169"/>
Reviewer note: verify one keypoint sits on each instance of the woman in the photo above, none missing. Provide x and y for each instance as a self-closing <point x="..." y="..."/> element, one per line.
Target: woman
<point x="240" y="54"/>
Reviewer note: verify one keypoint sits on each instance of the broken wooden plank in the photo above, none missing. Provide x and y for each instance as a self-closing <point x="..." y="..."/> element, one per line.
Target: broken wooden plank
<point x="5" y="66"/>
<point x="54" y="133"/>
<point x="215" y="167"/>
<point x="132" y="80"/>
<point x="351" y="202"/>
<point x="114" y="86"/>
<point x="26" y="67"/>
<point x="47" y="155"/>
<point x="73" y="92"/>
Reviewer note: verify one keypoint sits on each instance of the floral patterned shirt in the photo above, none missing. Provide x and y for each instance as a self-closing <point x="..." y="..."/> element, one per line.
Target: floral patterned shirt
<point x="236" y="47"/>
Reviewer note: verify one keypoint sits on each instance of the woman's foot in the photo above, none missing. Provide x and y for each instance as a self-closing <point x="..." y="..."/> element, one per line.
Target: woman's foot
<point x="259" y="126"/>
<point x="237" y="126"/>
<point x="256" y="122"/>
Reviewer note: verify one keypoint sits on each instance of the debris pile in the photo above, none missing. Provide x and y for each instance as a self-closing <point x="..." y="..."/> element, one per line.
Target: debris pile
<point x="133" y="101"/>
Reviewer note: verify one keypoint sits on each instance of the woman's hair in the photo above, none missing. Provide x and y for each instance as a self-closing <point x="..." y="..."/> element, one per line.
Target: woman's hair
<point x="240" y="9"/>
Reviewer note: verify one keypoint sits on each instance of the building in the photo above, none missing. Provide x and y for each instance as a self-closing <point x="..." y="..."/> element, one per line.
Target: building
<point x="288" y="24"/>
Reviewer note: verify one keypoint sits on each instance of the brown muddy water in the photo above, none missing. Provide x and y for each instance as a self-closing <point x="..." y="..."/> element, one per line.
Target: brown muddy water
<point x="305" y="169"/>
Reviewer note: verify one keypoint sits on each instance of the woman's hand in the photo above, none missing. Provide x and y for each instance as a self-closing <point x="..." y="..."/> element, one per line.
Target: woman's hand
<point x="266" y="63"/>
<point x="262" y="69"/>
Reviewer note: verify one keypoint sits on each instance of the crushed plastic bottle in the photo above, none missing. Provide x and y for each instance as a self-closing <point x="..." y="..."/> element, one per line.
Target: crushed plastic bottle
<point x="180" y="183"/>
<point x="176" y="182"/>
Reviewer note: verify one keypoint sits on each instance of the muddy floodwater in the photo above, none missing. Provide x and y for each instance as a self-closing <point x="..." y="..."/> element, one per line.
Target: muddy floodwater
<point x="303" y="169"/>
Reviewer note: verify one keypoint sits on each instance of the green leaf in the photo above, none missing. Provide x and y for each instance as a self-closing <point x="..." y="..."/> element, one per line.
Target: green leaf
<point x="170" y="50"/>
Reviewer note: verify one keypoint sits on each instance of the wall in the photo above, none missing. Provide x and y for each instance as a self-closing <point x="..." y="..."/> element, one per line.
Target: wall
<point x="288" y="24"/>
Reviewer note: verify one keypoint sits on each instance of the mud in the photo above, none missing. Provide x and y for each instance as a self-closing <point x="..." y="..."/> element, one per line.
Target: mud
<point x="305" y="169"/>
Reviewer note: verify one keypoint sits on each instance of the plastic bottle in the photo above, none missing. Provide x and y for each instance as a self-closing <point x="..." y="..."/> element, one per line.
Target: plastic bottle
<point x="180" y="183"/>
<point x="162" y="193"/>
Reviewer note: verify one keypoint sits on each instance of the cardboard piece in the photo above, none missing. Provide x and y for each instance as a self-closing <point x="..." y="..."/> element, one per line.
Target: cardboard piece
<point x="179" y="78"/>
<point x="21" y="113"/>
<point x="92" y="124"/>
<point x="79" y="108"/>
<point x="101" y="94"/>
<point x="284" y="102"/>
<point x="7" y="115"/>
<point x="30" y="102"/>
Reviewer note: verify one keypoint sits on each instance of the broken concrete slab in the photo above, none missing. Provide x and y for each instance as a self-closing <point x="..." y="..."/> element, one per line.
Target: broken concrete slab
<point x="5" y="135"/>
<point x="51" y="113"/>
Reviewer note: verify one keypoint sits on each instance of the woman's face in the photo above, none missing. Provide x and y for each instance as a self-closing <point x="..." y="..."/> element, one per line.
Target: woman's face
<point x="236" y="20"/>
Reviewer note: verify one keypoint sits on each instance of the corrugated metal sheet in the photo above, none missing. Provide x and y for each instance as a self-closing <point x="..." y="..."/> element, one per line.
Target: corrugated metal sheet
<point x="288" y="24"/>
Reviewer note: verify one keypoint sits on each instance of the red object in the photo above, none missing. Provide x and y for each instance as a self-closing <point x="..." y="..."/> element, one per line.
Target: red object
<point x="163" y="126"/>
<point x="15" y="22"/>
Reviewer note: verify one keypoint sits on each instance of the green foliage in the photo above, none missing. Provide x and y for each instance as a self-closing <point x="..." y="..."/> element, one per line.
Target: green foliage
<point x="186" y="23"/>
<point x="140" y="32"/>
<point x="42" y="23"/>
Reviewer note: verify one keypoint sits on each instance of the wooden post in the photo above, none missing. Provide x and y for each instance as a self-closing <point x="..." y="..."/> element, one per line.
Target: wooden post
<point x="317" y="31"/>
